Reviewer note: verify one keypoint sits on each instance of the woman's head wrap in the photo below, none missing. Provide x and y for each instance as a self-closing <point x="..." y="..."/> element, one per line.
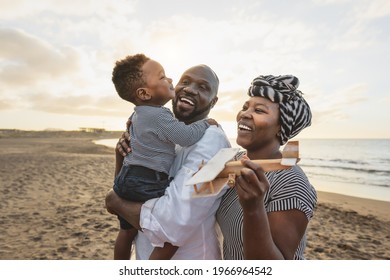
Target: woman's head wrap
<point x="295" y="113"/>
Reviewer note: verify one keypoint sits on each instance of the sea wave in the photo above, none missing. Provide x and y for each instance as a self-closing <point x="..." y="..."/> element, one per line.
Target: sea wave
<point x="368" y="180"/>
<point x="381" y="172"/>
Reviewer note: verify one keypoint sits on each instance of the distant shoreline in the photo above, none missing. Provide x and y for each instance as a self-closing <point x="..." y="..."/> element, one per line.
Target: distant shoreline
<point x="6" y="133"/>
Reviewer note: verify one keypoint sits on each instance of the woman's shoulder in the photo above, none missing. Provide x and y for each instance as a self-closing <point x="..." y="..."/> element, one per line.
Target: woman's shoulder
<point x="292" y="180"/>
<point x="295" y="173"/>
<point x="290" y="188"/>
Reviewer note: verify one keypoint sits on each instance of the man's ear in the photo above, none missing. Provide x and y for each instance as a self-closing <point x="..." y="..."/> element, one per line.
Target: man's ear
<point x="212" y="103"/>
<point x="143" y="94"/>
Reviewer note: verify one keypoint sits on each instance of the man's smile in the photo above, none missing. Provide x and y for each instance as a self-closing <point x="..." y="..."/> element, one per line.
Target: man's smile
<point x="186" y="103"/>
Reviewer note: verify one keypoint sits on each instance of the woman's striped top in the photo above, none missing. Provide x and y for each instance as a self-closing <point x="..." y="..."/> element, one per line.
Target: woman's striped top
<point x="289" y="189"/>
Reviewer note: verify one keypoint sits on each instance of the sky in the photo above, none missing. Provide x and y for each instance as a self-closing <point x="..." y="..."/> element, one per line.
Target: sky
<point x="56" y="58"/>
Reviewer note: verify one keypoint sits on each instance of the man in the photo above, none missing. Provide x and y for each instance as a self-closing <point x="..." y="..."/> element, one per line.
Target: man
<point x="185" y="222"/>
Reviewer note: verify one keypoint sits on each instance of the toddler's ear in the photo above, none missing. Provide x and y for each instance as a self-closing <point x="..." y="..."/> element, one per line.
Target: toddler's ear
<point x="143" y="94"/>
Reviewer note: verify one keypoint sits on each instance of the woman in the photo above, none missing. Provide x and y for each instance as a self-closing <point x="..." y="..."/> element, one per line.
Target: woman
<point x="266" y="214"/>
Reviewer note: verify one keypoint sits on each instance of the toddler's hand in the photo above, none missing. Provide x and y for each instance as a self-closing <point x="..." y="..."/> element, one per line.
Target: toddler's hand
<point x="212" y="122"/>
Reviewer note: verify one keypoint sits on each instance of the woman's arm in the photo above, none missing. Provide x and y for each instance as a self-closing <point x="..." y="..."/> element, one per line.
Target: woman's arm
<point x="274" y="235"/>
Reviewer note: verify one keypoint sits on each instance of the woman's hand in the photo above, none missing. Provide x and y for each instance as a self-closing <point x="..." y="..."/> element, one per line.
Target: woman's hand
<point x="251" y="186"/>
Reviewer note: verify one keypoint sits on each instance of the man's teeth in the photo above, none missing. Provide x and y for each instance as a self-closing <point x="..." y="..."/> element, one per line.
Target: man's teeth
<point x="244" y="127"/>
<point x="187" y="101"/>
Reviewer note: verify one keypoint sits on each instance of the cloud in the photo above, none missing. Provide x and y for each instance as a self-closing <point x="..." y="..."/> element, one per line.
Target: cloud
<point x="251" y="45"/>
<point x="373" y="9"/>
<point x="57" y="56"/>
<point x="386" y="99"/>
<point x="354" y="37"/>
<point x="229" y="102"/>
<point x="324" y="106"/>
<point x="38" y="75"/>
<point x="15" y="9"/>
<point x="5" y="105"/>
<point x="336" y="105"/>
<point x="81" y="105"/>
<point x="356" y="27"/>
<point x="26" y="59"/>
<point x="330" y="2"/>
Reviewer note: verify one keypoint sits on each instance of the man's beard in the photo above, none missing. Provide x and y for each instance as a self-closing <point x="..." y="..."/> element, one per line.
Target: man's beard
<point x="193" y="115"/>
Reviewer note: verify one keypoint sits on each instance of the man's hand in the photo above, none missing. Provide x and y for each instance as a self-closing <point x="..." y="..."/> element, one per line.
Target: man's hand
<point x="109" y="201"/>
<point x="122" y="147"/>
<point x="128" y="210"/>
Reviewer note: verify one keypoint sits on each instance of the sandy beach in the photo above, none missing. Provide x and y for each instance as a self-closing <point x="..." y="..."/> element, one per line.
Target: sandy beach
<point x="52" y="205"/>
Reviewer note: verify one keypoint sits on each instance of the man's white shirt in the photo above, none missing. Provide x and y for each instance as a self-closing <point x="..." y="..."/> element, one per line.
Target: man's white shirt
<point x="176" y="217"/>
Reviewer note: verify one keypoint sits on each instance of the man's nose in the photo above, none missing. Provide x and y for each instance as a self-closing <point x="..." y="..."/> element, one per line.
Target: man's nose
<point x="190" y="90"/>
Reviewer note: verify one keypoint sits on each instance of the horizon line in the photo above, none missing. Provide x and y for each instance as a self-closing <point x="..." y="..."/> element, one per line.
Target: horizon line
<point x="102" y="130"/>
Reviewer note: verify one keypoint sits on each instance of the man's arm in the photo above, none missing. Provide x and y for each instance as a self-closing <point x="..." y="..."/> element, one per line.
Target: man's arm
<point x="162" y="226"/>
<point x="114" y="204"/>
<point x="129" y="210"/>
<point x="174" y="216"/>
<point x="164" y="253"/>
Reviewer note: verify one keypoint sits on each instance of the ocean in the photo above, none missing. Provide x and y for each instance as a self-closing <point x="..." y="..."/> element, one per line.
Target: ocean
<point x="354" y="167"/>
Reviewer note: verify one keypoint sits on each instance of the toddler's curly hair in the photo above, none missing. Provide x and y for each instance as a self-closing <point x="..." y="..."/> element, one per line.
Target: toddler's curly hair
<point x="127" y="76"/>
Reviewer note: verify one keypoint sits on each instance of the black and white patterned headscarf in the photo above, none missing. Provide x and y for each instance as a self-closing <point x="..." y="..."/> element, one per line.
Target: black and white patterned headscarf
<point x="295" y="113"/>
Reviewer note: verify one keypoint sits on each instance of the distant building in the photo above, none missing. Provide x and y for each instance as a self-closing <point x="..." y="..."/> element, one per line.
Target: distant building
<point x="91" y="129"/>
<point x="53" y="129"/>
